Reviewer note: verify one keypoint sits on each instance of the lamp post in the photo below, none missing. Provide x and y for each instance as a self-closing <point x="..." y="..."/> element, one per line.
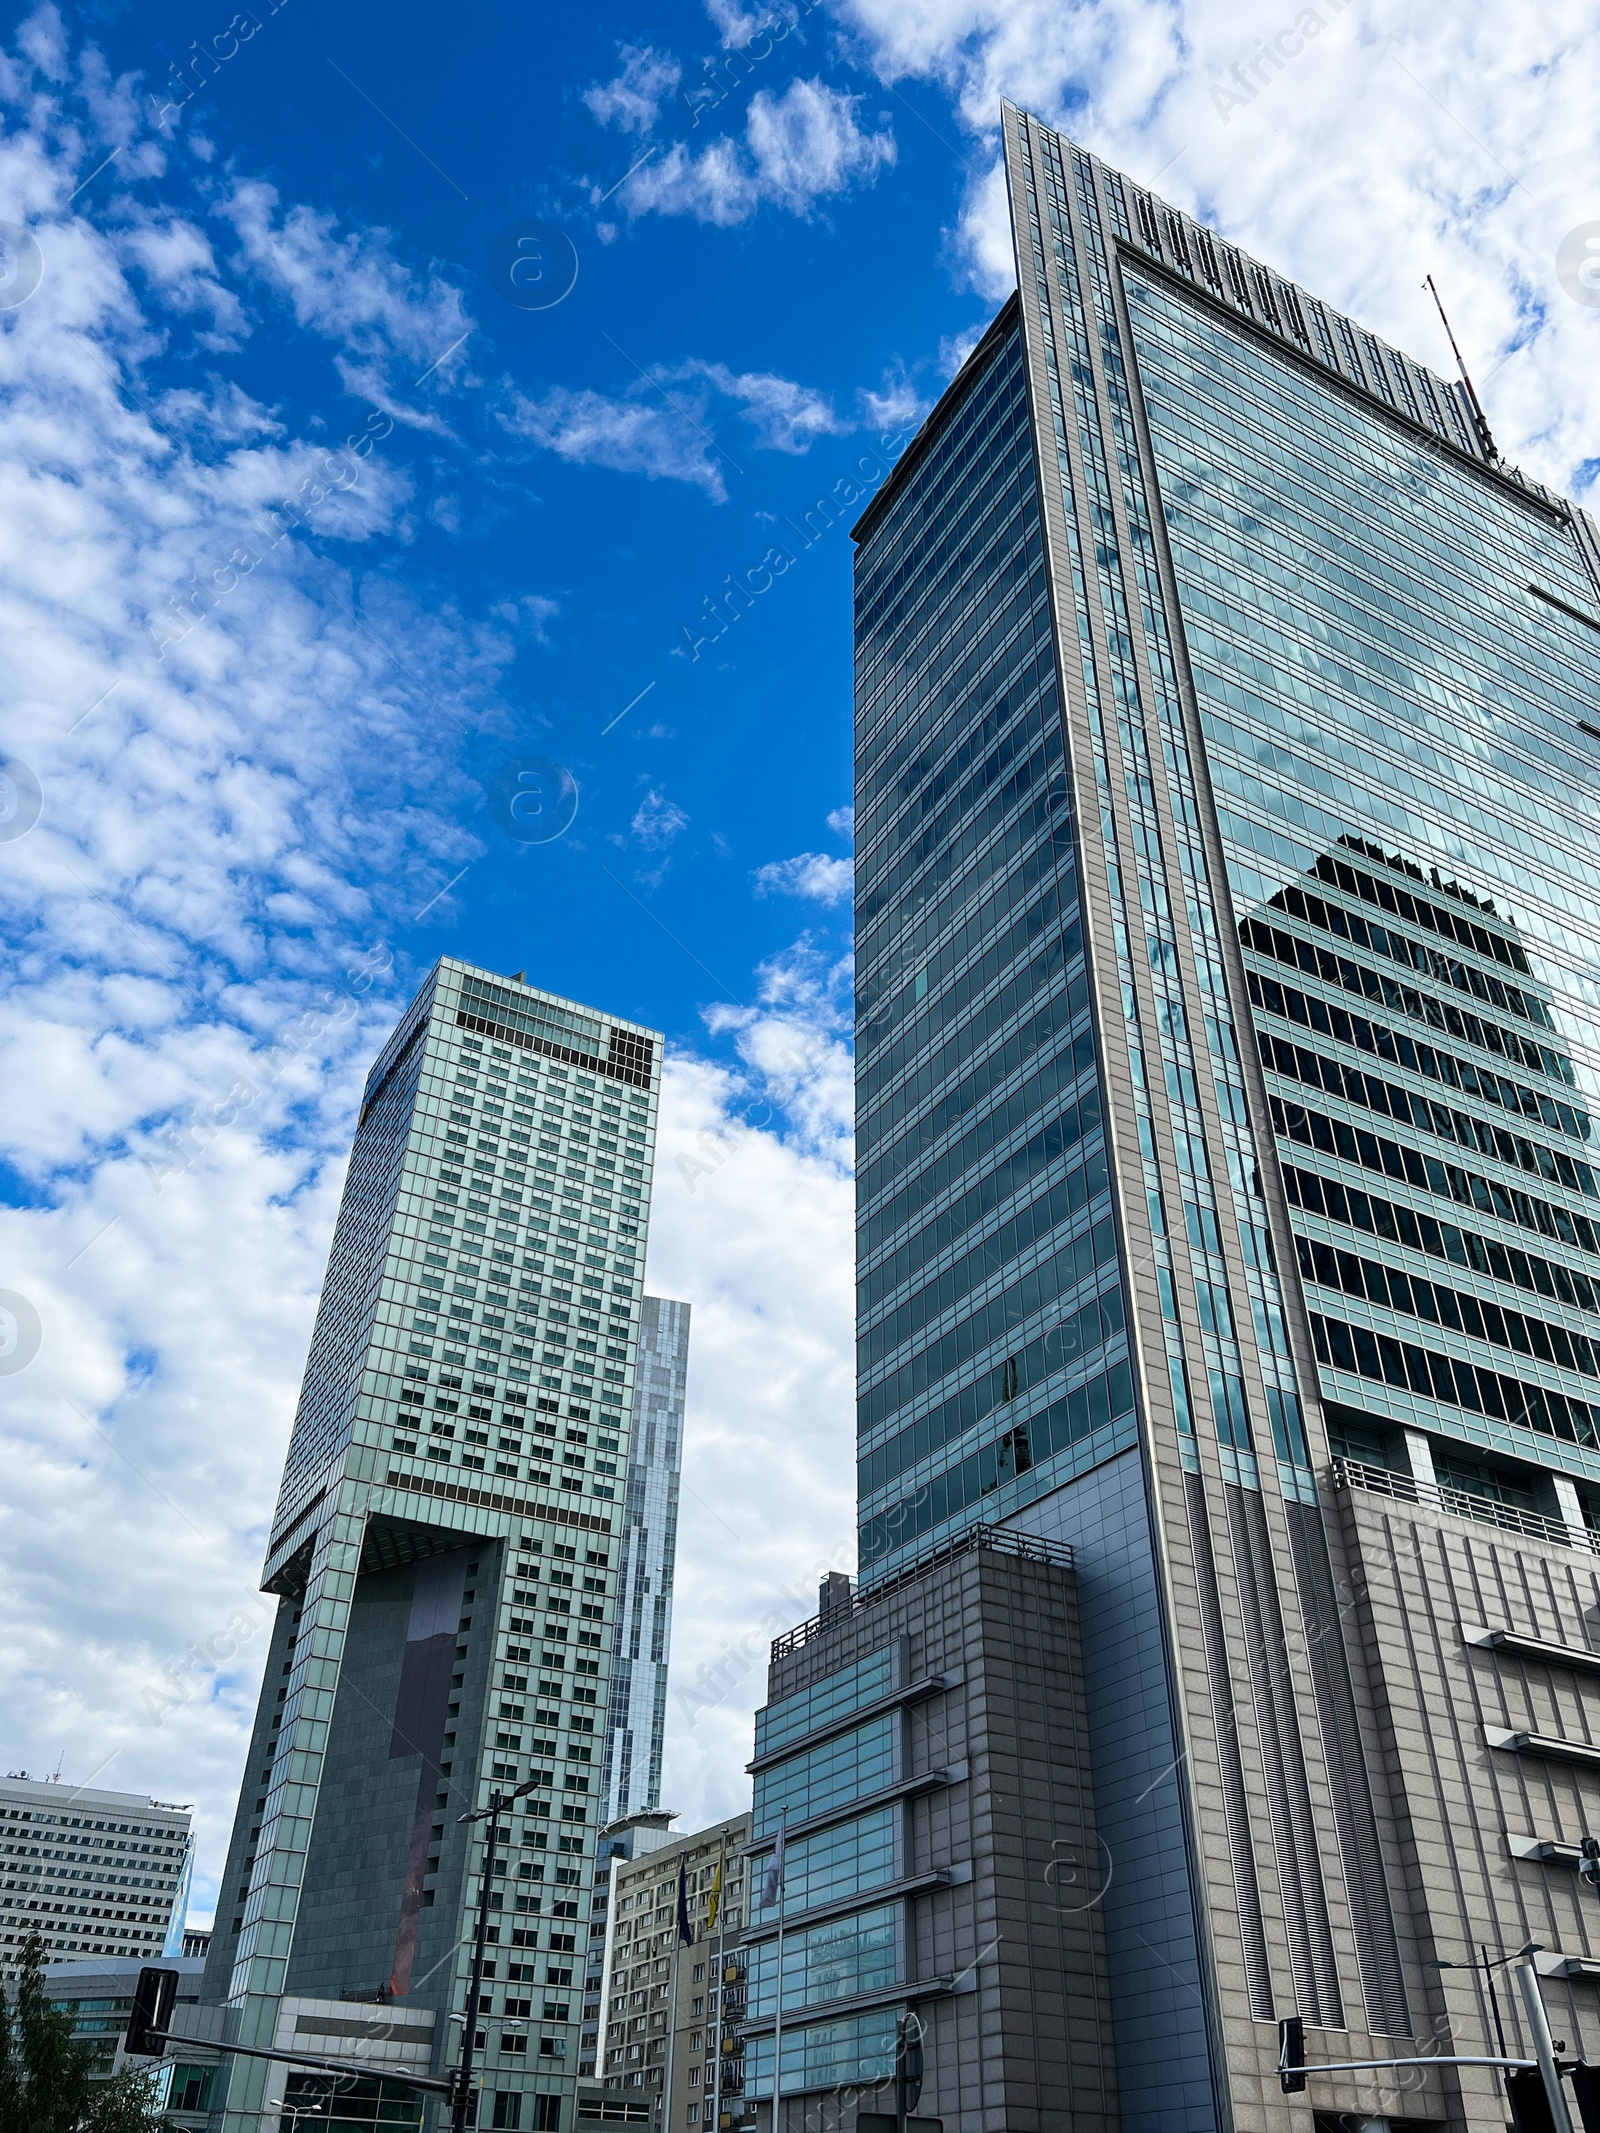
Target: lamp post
<point x="498" y="1803"/>
<point x="1488" y="1965"/>
<point x="1538" y="2022"/>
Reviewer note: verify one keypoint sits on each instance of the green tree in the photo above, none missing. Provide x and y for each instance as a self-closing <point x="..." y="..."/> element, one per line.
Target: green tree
<point x="44" y="2070"/>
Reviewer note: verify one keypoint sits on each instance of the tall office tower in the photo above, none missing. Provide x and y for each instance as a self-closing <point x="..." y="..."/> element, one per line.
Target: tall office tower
<point x="91" y="1872"/>
<point x="445" y="1549"/>
<point x="637" y="1716"/>
<point x="1228" y="910"/>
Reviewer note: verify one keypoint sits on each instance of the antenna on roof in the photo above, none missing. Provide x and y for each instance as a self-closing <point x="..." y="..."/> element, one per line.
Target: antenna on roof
<point x="1480" y="420"/>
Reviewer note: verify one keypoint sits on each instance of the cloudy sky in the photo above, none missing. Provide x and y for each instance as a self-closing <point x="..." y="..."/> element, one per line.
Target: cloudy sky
<point x="390" y="417"/>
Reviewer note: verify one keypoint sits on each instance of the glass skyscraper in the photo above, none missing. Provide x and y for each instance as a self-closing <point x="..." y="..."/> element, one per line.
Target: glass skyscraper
<point x="1228" y="747"/>
<point x="445" y="1551"/>
<point x="637" y="1718"/>
<point x="636" y="1712"/>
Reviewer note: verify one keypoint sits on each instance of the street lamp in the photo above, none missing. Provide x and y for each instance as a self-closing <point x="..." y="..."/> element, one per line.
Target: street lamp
<point x="1533" y="2007"/>
<point x="1489" y="1964"/>
<point x="498" y="1803"/>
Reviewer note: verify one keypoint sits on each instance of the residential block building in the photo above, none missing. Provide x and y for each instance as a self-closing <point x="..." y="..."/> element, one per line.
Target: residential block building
<point x="669" y="2005"/>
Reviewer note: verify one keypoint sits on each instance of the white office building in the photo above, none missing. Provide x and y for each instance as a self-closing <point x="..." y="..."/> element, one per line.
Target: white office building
<point x="94" y="1873"/>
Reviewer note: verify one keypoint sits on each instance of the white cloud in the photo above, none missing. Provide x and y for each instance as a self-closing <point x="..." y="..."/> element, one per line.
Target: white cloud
<point x="786" y="417"/>
<point x="812" y="874"/>
<point x="660" y="425"/>
<point x="796" y="1041"/>
<point x="176" y="256"/>
<point x="1388" y="145"/>
<point x="628" y="435"/>
<point x="740" y="26"/>
<point x="389" y="321"/>
<point x="799" y="148"/>
<point x="896" y="407"/>
<point x="632" y="101"/>
<point x="768" y="1497"/>
<point x="657" y="820"/>
<point x="842" y="821"/>
<point x="196" y="981"/>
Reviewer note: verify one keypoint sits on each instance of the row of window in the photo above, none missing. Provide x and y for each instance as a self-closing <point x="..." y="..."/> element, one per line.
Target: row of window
<point x="1103" y="1408"/>
<point x="1424" y="1059"/>
<point x="1408" y="1107"/>
<point x="1000" y="725"/>
<point x="979" y="454"/>
<point x="1035" y="1291"/>
<point x="1448" y="1181"/>
<point x="900" y="938"/>
<point x="1057" y="969"/>
<point x="1041" y="1033"/>
<point x="1413" y="1297"/>
<point x="1054" y="1086"/>
<point x="1453" y="1383"/>
<point x="1083" y="1183"/>
<point x="1440" y="1240"/>
<point x="980" y="808"/>
<point x="1348" y="976"/>
<point x="937" y="994"/>
<point x="897" y="666"/>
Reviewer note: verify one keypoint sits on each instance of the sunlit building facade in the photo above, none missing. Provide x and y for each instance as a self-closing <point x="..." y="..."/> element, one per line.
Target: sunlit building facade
<point x="445" y="1550"/>
<point x="1228" y="752"/>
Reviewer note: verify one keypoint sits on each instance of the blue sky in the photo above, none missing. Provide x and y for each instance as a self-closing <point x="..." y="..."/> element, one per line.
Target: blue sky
<point x="262" y="760"/>
<point x="581" y="479"/>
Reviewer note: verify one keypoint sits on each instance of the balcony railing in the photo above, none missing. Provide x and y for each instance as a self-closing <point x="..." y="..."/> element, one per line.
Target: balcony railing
<point x="1461" y="1503"/>
<point x="1000" y="1538"/>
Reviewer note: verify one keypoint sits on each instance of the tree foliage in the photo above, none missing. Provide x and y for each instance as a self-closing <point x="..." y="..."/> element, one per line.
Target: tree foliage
<point x="45" y="2084"/>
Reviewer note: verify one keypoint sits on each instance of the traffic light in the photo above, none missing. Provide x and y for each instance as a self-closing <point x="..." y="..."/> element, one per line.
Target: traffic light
<point x="1292" y="2056"/>
<point x="1530" y="2106"/>
<point x="1586" y="2096"/>
<point x="908" y="2066"/>
<point x="153" y="1998"/>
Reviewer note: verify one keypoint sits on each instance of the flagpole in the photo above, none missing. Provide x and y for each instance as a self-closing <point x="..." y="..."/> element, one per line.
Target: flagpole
<point x="672" y="2032"/>
<point x="722" y="2024"/>
<point x="680" y="1940"/>
<point x="777" y="2023"/>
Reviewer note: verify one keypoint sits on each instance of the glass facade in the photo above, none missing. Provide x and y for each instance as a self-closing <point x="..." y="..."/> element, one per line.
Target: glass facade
<point x="992" y="1340"/>
<point x="828" y="1962"/>
<point x="1228" y="1031"/>
<point x="637" y="1716"/>
<point x="1401" y="771"/>
<point x="818" y="1780"/>
<point x="837" y="1697"/>
<point x="849" y="1860"/>
<point x="445" y="1546"/>
<point x="825" y="2055"/>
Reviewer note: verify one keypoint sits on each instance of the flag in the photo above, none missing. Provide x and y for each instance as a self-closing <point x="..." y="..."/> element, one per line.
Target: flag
<point x="716" y="1900"/>
<point x="773" y="1884"/>
<point x="685" y="1930"/>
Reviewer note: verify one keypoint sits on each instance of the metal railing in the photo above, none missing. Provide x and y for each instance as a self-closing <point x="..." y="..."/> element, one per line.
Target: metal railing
<point x="1460" y="1503"/>
<point x="1001" y="1539"/>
